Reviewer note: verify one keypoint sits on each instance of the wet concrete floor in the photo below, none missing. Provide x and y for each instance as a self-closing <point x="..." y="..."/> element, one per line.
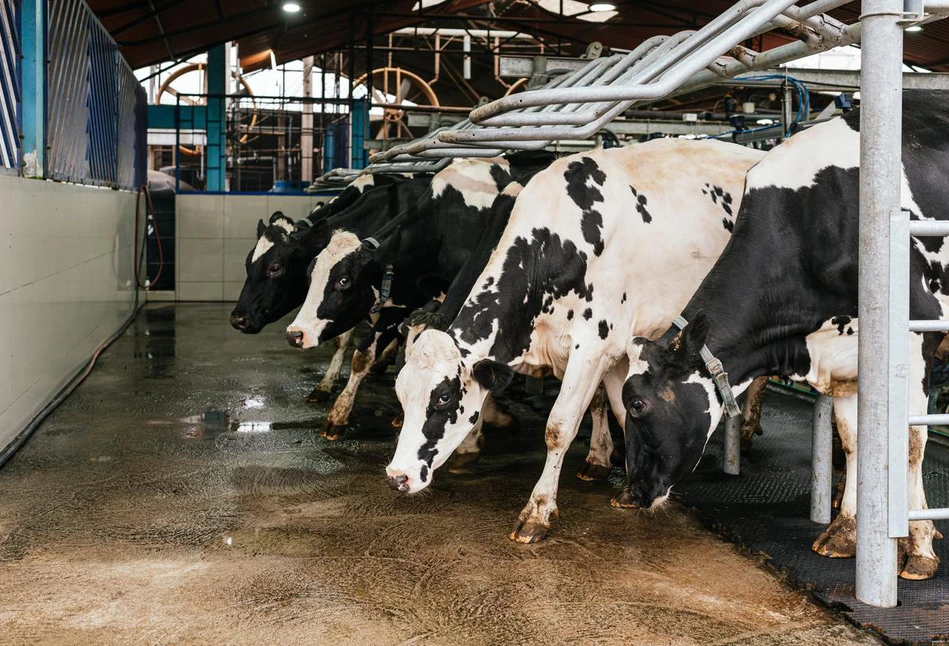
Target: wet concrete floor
<point x="181" y="496"/>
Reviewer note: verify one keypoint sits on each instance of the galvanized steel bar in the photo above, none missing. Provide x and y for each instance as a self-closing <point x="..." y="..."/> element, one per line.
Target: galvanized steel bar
<point x="822" y="464"/>
<point x="929" y="514"/>
<point x="929" y="228"/>
<point x="929" y="326"/>
<point x="880" y="171"/>
<point x="928" y="420"/>
<point x="731" y="451"/>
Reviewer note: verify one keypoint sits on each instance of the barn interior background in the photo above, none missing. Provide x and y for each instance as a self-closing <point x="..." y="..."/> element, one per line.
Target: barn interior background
<point x="231" y="111"/>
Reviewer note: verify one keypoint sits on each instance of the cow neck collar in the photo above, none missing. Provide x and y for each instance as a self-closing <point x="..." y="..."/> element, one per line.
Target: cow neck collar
<point x="717" y="370"/>
<point x="388" y="272"/>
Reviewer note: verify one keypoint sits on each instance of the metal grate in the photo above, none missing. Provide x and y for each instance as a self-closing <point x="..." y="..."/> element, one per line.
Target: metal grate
<point x="9" y="84"/>
<point x="95" y="119"/>
<point x="103" y="100"/>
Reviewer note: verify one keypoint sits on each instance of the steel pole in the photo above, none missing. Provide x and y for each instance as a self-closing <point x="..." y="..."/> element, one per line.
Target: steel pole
<point x="822" y="463"/>
<point x="731" y="451"/>
<point x="881" y="82"/>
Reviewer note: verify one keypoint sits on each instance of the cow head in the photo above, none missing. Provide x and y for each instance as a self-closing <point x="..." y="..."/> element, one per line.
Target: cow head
<point x="276" y="270"/>
<point x="344" y="280"/>
<point x="441" y="393"/>
<point x="671" y="410"/>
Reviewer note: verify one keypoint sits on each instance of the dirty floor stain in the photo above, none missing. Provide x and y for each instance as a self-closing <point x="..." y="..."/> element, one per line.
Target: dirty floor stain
<point x="182" y="496"/>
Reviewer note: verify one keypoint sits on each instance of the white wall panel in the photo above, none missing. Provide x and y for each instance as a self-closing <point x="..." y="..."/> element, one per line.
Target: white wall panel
<point x="66" y="284"/>
<point x="214" y="235"/>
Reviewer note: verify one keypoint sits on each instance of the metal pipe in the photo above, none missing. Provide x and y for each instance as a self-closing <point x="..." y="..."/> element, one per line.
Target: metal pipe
<point x="929" y="514"/>
<point x="703" y="48"/>
<point x="880" y="169"/>
<point x="731" y="451"/>
<point x="929" y="228"/>
<point x="929" y="326"/>
<point x="927" y="420"/>
<point x="477" y="33"/>
<point x="822" y="463"/>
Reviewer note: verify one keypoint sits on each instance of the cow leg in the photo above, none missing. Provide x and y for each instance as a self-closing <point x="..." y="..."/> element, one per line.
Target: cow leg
<point x="338" y="418"/>
<point x="579" y="385"/>
<point x="839" y="540"/>
<point x="751" y="415"/>
<point x="597" y="464"/>
<point x="494" y="415"/>
<point x="469" y="450"/>
<point x="322" y="391"/>
<point x="386" y="359"/>
<point x="917" y="558"/>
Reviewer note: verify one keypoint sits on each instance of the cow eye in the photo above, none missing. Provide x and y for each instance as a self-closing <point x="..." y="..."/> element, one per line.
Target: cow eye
<point x="443" y="401"/>
<point x="343" y="282"/>
<point x="275" y="269"/>
<point x="637" y="407"/>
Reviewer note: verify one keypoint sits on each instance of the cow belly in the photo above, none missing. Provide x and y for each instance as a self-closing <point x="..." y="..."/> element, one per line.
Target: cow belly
<point x="833" y="354"/>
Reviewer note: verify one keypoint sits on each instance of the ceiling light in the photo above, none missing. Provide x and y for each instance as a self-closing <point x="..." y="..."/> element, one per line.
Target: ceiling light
<point x="291" y="7"/>
<point x="913" y="28"/>
<point x="602" y="6"/>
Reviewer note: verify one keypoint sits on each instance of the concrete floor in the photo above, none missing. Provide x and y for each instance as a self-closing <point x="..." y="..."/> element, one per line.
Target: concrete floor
<point x="180" y="496"/>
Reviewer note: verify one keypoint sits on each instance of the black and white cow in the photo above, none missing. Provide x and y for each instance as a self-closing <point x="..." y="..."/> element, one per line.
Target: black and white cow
<point x="423" y="250"/>
<point x="782" y="299"/>
<point x="276" y="280"/>
<point x="598" y="247"/>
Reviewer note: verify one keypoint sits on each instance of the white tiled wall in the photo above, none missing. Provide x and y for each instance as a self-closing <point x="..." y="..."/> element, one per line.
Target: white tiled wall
<point x="66" y="283"/>
<point x="214" y="235"/>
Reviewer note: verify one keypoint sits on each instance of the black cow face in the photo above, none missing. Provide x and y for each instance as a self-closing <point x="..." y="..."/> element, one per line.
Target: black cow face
<point x="276" y="272"/>
<point x="344" y="279"/>
<point x="670" y="408"/>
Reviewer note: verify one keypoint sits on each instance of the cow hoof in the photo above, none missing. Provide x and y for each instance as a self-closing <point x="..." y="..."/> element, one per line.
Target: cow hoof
<point x="379" y="368"/>
<point x="332" y="432"/>
<point x="623" y="500"/>
<point x="591" y="472"/>
<point x="460" y="463"/>
<point x="318" y="396"/>
<point x="397" y="420"/>
<point x="839" y="540"/>
<point x="529" y="531"/>
<point x="838" y="493"/>
<point x="919" y="567"/>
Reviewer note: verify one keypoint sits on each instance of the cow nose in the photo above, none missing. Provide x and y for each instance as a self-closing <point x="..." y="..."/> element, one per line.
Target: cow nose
<point x="295" y="338"/>
<point x="399" y="482"/>
<point x="239" y="321"/>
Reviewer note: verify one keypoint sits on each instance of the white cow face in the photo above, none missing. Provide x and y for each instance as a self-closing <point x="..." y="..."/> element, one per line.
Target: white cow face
<point x="441" y="393"/>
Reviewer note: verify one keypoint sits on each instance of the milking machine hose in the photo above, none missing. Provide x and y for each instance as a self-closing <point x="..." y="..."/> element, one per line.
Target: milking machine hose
<point x="17" y="443"/>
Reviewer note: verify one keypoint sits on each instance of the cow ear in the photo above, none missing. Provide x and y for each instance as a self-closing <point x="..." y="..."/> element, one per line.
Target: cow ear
<point x="261" y="227"/>
<point x="277" y="215"/>
<point x="493" y="375"/>
<point x="691" y="340"/>
<point x="316" y="237"/>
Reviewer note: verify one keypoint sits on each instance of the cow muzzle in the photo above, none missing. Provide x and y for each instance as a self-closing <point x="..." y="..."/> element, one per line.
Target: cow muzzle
<point x="295" y="338"/>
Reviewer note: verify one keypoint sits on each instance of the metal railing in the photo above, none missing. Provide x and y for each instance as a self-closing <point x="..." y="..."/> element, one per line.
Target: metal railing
<point x="95" y="119"/>
<point x="9" y="84"/>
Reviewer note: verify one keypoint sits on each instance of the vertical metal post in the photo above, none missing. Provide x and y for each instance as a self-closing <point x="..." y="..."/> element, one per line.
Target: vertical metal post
<point x="822" y="463"/>
<point x="731" y="451"/>
<point x="33" y="87"/>
<point x="466" y="62"/>
<point x="880" y="168"/>
<point x="215" y="119"/>
<point x="306" y="123"/>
